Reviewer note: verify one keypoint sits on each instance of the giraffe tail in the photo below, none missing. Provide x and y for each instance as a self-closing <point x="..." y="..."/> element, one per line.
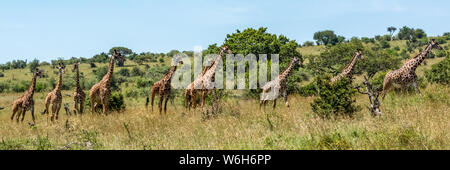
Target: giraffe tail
<point x="45" y="111"/>
<point x="147" y="101"/>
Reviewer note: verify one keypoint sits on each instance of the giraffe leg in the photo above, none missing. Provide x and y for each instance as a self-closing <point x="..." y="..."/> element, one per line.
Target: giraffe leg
<point x="153" y="99"/>
<point x="54" y="107"/>
<point x="58" y="108"/>
<point x="81" y="106"/>
<point x="47" y="103"/>
<point x="105" y="103"/>
<point x="161" y="101"/>
<point x="15" y="109"/>
<point x="387" y="85"/>
<point x="194" y="100"/>
<point x="274" y="103"/>
<point x="203" y="97"/>
<point x="165" y="104"/>
<point x="22" y="112"/>
<point x="75" y="106"/>
<point x="416" y="88"/>
<point x="91" y="99"/>
<point x="285" y="97"/>
<point x="23" y="115"/>
<point x="32" y="114"/>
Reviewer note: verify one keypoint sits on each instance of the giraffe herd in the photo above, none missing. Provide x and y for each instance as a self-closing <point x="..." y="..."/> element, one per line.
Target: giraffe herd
<point x="203" y="84"/>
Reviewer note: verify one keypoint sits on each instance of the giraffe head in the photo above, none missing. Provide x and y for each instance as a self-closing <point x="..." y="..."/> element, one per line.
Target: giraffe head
<point x="297" y="60"/>
<point x="225" y="50"/>
<point x="38" y="73"/>
<point x="75" y="66"/>
<point x="177" y="60"/>
<point x="116" y="55"/>
<point x="435" y="45"/>
<point x="359" y="54"/>
<point x="61" y="68"/>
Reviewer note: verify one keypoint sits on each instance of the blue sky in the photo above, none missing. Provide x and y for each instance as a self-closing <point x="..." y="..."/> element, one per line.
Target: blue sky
<point x="48" y="29"/>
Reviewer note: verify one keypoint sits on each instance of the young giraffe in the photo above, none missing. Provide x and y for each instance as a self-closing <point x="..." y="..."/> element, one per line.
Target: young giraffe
<point x="100" y="92"/>
<point x="406" y="75"/>
<point x="204" y="80"/>
<point x="272" y="89"/>
<point x="54" y="97"/>
<point x="78" y="95"/>
<point x="348" y="70"/>
<point x="162" y="87"/>
<point x="26" y="101"/>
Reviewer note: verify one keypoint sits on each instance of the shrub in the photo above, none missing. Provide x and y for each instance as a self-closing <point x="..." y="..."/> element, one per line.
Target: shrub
<point x="137" y="72"/>
<point x="116" y="102"/>
<point x="19" y="87"/>
<point x="2" y="75"/>
<point x="308" y="90"/>
<point x="124" y="72"/>
<point x="440" y="72"/>
<point x="92" y="65"/>
<point x="334" y="100"/>
<point x="3" y="87"/>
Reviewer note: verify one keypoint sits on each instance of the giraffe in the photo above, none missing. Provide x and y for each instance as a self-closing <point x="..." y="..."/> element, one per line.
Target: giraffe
<point x="26" y="101"/>
<point x="78" y="95"/>
<point x="406" y="75"/>
<point x="162" y="87"/>
<point x="272" y="89"/>
<point x="348" y="70"/>
<point x="203" y="80"/>
<point x="100" y="92"/>
<point x="55" y="97"/>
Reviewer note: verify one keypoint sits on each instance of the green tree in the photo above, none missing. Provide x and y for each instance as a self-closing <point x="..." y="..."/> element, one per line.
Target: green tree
<point x="336" y="99"/>
<point x="33" y="65"/>
<point x="391" y="31"/>
<point x="123" y="51"/>
<point x="325" y="37"/>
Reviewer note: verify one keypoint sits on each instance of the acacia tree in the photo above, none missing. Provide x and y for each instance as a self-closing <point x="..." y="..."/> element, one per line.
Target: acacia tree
<point x="391" y="30"/>
<point x="259" y="41"/>
<point x="326" y="37"/>
<point x="124" y="51"/>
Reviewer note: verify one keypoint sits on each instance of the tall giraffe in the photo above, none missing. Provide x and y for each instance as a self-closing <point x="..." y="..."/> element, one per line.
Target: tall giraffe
<point x="100" y="92"/>
<point x="406" y="75"/>
<point x="348" y="70"/>
<point x="272" y="89"/>
<point x="204" y="80"/>
<point x="54" y="97"/>
<point x="78" y="95"/>
<point x="163" y="87"/>
<point x="26" y="101"/>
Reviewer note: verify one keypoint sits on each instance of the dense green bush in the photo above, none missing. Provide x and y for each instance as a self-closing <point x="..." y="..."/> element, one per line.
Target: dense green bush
<point x="2" y="75"/>
<point x="4" y="87"/>
<point x="19" y="87"/>
<point x="308" y="90"/>
<point x="440" y="72"/>
<point x="334" y="100"/>
<point x="116" y="102"/>
<point x="137" y="72"/>
<point x="124" y="72"/>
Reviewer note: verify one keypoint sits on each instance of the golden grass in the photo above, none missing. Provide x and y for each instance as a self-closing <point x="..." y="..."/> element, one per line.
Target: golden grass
<point x="408" y="122"/>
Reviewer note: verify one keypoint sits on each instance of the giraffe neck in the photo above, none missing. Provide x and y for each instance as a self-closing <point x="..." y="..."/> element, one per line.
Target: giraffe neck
<point x="215" y="63"/>
<point x="169" y="75"/>
<point x="77" y="79"/>
<point x="287" y="71"/>
<point x="59" y="84"/>
<point x="110" y="72"/>
<point x="350" y="67"/>
<point x="32" y="85"/>
<point x="416" y="61"/>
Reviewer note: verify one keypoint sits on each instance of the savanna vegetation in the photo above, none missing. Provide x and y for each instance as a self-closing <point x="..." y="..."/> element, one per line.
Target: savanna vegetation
<point x="320" y="116"/>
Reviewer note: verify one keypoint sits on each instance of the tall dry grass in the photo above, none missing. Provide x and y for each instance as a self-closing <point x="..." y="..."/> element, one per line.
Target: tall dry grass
<point x="408" y="122"/>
